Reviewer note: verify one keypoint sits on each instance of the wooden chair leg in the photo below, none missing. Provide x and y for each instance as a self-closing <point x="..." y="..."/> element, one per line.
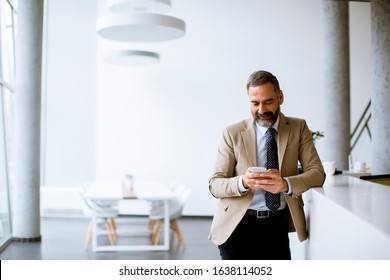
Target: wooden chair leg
<point x="157" y="233"/>
<point x="113" y="228"/>
<point x="88" y="235"/>
<point x="113" y="223"/>
<point x="151" y="224"/>
<point x="176" y="229"/>
<point x="109" y="232"/>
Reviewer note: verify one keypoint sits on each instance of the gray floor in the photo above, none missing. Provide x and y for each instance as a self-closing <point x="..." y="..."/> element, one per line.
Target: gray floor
<point x="62" y="239"/>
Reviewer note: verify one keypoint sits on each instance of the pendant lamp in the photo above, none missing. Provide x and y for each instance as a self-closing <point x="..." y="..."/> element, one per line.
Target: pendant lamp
<point x="131" y="57"/>
<point x="128" y="6"/>
<point x="140" y="27"/>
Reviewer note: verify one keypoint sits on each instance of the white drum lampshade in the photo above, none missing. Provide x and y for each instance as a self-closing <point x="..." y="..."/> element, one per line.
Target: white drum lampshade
<point x="128" y="6"/>
<point x="131" y="57"/>
<point x="140" y="27"/>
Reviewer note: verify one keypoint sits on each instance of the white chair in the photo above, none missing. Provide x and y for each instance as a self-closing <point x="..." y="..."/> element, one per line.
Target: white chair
<point x="106" y="215"/>
<point x="176" y="205"/>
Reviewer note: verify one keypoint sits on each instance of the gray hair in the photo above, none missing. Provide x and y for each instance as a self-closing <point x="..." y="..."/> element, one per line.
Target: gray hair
<point x="262" y="77"/>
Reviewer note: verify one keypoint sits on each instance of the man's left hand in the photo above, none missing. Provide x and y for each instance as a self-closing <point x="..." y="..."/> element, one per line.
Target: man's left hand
<point x="272" y="182"/>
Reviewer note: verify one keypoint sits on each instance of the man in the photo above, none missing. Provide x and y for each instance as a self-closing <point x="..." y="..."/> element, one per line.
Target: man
<point x="256" y="210"/>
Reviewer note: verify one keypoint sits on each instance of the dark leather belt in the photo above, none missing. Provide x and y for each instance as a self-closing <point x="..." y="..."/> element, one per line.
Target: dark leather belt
<point x="261" y="214"/>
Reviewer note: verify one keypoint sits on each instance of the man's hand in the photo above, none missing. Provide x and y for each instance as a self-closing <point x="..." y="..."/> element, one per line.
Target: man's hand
<point x="270" y="181"/>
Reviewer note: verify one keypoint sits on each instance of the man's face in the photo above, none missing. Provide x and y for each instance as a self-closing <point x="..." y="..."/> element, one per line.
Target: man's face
<point x="265" y="104"/>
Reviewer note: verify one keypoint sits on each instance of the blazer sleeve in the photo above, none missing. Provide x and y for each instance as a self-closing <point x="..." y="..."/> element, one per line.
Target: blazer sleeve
<point x="313" y="173"/>
<point x="224" y="180"/>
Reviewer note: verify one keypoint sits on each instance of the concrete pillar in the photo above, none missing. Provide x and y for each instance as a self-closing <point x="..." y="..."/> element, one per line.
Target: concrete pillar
<point x="335" y="68"/>
<point x="28" y="55"/>
<point x="380" y="122"/>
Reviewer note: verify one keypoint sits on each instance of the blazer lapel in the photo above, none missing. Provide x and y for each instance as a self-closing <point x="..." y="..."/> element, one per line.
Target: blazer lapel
<point x="283" y="134"/>
<point x="249" y="140"/>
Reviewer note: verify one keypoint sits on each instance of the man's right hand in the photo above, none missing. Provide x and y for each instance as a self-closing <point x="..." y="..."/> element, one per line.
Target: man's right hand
<point x="251" y="179"/>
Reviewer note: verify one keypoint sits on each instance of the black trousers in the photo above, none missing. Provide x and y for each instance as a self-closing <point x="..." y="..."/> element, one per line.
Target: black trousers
<point x="259" y="239"/>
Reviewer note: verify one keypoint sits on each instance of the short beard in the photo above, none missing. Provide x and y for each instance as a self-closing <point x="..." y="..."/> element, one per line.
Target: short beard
<point x="270" y="122"/>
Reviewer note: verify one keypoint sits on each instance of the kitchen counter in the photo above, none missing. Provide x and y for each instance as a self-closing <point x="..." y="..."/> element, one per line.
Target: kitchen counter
<point x="348" y="218"/>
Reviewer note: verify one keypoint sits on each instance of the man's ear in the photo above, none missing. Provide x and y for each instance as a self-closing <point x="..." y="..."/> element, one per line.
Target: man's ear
<point x="281" y="97"/>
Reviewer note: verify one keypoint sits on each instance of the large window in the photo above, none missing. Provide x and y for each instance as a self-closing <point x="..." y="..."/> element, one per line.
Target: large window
<point x="7" y="71"/>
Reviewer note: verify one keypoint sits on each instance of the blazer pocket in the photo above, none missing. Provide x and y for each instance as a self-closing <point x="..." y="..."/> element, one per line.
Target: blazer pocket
<point x="300" y="202"/>
<point x="222" y="206"/>
<point x="220" y="216"/>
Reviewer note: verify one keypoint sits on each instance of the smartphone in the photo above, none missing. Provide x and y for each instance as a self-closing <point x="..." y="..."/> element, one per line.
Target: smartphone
<point x="257" y="169"/>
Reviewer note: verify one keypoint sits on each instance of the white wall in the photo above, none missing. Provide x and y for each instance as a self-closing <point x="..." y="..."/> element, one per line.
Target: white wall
<point x="165" y="121"/>
<point x="69" y="93"/>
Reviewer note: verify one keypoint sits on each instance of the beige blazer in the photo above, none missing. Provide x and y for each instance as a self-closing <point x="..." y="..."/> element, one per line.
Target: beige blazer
<point x="238" y="151"/>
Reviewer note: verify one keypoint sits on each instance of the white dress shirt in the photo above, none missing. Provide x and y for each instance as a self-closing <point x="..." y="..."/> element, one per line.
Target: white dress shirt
<point x="258" y="202"/>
